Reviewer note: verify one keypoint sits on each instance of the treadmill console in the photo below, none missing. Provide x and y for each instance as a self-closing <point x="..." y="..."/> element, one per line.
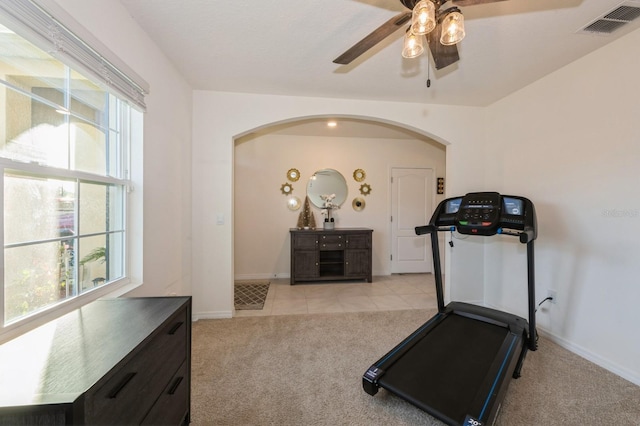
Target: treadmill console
<point x="479" y="213"/>
<point x="487" y="213"/>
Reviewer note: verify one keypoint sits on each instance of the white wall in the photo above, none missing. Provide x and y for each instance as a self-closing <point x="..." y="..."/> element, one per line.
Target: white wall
<point x="262" y="219"/>
<point x="571" y="143"/>
<point x="167" y="144"/>
<point x="220" y="118"/>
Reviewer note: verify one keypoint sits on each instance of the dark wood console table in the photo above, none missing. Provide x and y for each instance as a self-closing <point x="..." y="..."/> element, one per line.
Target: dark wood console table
<point x="114" y="361"/>
<point x="331" y="255"/>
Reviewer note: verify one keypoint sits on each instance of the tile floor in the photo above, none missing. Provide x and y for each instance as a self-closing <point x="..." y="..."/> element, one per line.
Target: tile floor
<point x="393" y="292"/>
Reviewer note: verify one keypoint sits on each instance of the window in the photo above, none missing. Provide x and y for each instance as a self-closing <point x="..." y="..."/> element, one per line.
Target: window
<point x="65" y="140"/>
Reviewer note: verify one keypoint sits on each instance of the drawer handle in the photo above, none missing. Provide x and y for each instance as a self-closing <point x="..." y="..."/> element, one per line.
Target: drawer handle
<point x="175" y="327"/>
<point x="175" y="385"/>
<point x="125" y="380"/>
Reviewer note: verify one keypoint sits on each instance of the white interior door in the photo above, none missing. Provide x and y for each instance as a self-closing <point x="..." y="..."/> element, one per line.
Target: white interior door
<point x="411" y="206"/>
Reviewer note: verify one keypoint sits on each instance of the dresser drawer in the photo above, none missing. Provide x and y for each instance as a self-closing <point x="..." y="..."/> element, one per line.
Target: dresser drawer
<point x="173" y="404"/>
<point x="127" y="396"/>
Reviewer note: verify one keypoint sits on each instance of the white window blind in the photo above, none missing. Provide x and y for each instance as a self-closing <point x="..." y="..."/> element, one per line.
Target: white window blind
<point x="34" y="23"/>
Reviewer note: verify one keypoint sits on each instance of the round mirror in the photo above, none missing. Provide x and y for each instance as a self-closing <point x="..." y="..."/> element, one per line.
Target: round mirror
<point x="327" y="182"/>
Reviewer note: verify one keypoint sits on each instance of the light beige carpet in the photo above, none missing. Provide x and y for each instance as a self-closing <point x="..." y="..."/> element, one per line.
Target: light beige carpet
<point x="307" y="370"/>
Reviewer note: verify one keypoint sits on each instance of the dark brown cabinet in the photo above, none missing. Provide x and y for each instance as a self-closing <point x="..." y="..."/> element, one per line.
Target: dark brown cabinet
<point x="118" y="361"/>
<point x="330" y="255"/>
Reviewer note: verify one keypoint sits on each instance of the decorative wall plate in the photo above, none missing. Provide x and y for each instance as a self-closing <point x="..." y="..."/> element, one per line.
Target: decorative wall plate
<point x="293" y="175"/>
<point x="359" y="175"/>
<point x="293" y="203"/>
<point x="286" y="189"/>
<point x="365" y="189"/>
<point x="358" y="204"/>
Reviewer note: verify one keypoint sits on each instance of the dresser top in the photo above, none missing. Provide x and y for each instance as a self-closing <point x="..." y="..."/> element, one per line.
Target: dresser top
<point x="63" y="358"/>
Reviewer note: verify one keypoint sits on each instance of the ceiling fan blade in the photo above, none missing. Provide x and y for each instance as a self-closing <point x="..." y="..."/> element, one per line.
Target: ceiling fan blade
<point x="379" y="34"/>
<point x="443" y="56"/>
<point x="473" y="2"/>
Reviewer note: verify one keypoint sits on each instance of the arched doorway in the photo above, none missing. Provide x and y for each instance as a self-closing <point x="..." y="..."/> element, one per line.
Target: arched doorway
<point x="263" y="156"/>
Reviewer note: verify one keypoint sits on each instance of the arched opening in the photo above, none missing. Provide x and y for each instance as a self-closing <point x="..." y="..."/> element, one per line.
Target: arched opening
<point x="263" y="157"/>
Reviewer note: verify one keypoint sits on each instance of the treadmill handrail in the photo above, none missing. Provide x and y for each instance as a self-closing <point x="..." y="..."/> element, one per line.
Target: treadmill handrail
<point x="426" y="229"/>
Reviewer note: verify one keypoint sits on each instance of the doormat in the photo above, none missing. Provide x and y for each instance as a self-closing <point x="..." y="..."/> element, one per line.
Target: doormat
<point x="250" y="295"/>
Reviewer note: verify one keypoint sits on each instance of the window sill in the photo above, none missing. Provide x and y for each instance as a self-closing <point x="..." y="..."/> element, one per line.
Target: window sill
<point x="121" y="291"/>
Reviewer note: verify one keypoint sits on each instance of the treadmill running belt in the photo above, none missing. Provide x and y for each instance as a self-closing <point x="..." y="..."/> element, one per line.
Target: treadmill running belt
<point x="446" y="367"/>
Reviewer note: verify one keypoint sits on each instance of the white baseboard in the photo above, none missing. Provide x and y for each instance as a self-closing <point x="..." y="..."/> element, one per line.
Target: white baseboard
<point x="211" y="315"/>
<point x="264" y="276"/>
<point x="626" y="374"/>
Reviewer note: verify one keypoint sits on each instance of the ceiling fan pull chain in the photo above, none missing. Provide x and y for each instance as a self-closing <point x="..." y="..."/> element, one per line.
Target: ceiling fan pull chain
<point x="428" y="71"/>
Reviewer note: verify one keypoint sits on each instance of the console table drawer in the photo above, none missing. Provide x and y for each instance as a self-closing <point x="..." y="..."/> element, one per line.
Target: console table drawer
<point x="332" y="246"/>
<point x="305" y="241"/>
<point x="361" y="241"/>
<point x="332" y="242"/>
<point x="332" y="239"/>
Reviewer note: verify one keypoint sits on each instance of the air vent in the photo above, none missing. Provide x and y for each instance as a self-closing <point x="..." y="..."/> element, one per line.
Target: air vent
<point x="614" y="19"/>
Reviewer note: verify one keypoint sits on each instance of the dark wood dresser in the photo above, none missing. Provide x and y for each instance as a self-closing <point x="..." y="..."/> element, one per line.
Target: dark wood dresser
<point x="114" y="361"/>
<point x="331" y="255"/>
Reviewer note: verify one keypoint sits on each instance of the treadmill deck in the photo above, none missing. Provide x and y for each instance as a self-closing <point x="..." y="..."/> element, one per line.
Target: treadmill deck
<point x="453" y="367"/>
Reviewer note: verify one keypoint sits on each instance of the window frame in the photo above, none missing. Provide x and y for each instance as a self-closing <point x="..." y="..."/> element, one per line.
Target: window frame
<point x="132" y="148"/>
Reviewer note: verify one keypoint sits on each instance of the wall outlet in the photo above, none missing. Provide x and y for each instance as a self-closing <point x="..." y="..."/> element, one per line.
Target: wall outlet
<point x="554" y="294"/>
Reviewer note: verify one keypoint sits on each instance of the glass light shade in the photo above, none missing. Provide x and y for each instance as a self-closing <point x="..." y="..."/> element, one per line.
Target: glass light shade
<point x="412" y="46"/>
<point x="423" y="18"/>
<point x="452" y="28"/>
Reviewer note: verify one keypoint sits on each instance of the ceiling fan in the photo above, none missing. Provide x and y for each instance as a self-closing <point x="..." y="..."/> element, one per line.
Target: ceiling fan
<point x="443" y="28"/>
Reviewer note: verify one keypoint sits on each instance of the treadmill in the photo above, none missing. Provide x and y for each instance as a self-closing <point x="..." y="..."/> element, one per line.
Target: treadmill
<point x="458" y="365"/>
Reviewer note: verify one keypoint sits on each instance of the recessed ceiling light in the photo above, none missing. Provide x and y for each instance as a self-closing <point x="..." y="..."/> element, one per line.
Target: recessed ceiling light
<point x="332" y="124"/>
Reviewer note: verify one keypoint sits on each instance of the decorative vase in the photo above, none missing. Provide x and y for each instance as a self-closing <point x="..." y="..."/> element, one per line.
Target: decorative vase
<point x="329" y="224"/>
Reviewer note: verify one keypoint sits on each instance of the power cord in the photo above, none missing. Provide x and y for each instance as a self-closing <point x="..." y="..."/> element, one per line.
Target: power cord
<point x="549" y="298"/>
<point x="546" y="299"/>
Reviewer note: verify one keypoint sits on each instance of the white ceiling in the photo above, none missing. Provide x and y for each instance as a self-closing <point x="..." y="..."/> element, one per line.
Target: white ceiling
<point x="286" y="47"/>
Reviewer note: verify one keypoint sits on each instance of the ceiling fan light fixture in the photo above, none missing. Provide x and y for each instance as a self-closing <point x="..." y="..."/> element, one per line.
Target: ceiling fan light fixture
<point x="423" y="17"/>
<point x="452" y="27"/>
<point x="412" y="46"/>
